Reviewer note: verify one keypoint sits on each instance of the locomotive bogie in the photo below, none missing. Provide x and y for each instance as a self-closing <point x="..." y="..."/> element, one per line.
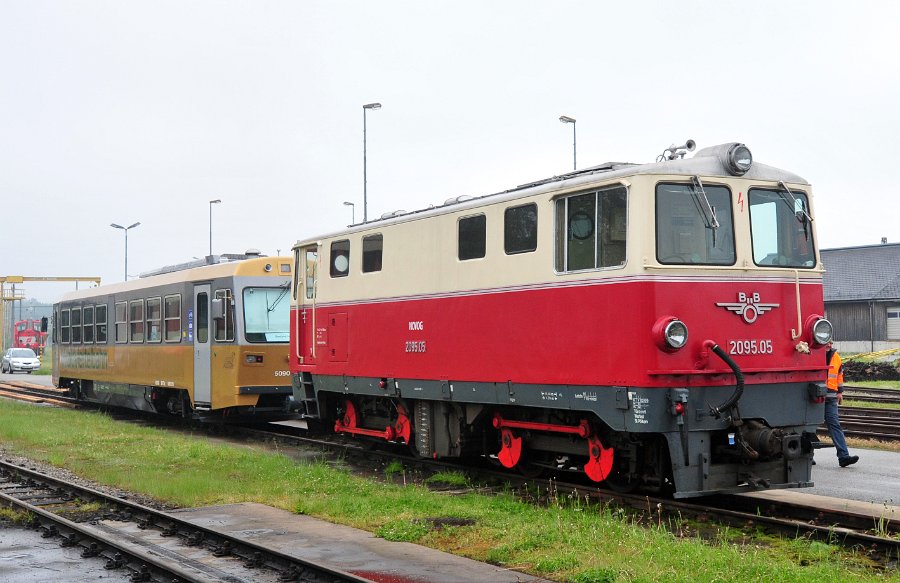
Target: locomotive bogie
<point x="205" y="342"/>
<point x="656" y="325"/>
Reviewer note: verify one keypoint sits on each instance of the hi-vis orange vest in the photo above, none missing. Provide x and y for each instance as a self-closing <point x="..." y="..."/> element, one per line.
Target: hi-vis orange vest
<point x="835" y="374"/>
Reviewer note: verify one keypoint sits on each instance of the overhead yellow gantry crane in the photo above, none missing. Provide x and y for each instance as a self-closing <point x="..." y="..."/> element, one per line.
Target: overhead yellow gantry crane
<point x="10" y="294"/>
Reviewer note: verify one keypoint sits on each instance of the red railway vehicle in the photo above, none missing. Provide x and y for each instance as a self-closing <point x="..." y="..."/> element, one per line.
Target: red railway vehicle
<point x="27" y="334"/>
<point x="657" y="326"/>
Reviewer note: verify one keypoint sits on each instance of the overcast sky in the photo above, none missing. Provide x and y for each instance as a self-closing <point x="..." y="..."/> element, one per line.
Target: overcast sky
<point x="126" y="111"/>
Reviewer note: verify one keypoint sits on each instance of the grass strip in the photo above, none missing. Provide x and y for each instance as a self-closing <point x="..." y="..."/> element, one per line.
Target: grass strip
<point x="567" y="539"/>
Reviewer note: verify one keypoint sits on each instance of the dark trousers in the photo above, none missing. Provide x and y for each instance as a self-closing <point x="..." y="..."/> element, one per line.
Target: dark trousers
<point x="834" y="427"/>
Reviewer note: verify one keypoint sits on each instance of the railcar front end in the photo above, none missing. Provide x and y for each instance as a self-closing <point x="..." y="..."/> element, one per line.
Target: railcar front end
<point x="655" y="326"/>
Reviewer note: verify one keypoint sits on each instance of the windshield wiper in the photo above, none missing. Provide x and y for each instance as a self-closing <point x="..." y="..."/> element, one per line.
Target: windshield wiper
<point x="703" y="207"/>
<point x="797" y="206"/>
<point x="281" y="295"/>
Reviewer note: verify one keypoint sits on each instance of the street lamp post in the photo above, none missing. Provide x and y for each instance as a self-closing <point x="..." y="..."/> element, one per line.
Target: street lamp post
<point x="365" y="200"/>
<point x="571" y="120"/>
<point x="126" y="242"/>
<point x="212" y="202"/>
<point x="352" y="212"/>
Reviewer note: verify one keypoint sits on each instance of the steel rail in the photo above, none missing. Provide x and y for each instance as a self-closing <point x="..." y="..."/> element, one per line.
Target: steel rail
<point x="293" y="568"/>
<point x="143" y="566"/>
<point x="843" y="528"/>
<point x="847" y="529"/>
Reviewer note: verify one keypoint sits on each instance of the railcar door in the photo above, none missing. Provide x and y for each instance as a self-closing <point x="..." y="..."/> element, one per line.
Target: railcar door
<point x="202" y="389"/>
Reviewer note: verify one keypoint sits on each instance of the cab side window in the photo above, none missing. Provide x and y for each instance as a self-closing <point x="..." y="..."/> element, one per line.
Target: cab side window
<point x="223" y="324"/>
<point x="372" y="250"/>
<point x="520" y="229"/>
<point x="591" y="230"/>
<point x="472" y="237"/>
<point x="340" y="258"/>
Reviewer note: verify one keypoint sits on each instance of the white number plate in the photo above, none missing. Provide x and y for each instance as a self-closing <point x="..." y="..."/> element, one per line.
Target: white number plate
<point x="744" y="347"/>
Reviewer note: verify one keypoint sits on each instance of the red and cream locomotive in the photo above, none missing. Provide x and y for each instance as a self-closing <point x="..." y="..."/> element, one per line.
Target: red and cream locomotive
<point x="654" y="325"/>
<point x="28" y="334"/>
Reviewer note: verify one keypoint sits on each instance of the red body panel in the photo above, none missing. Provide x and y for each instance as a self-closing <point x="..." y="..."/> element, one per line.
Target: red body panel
<point x="30" y="337"/>
<point x="583" y="333"/>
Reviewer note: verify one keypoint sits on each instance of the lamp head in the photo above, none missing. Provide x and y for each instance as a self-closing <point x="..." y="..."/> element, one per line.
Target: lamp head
<point x="372" y="106"/>
<point x="566" y="119"/>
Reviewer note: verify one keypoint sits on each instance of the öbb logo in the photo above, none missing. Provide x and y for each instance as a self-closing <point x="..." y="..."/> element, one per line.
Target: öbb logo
<point x="748" y="306"/>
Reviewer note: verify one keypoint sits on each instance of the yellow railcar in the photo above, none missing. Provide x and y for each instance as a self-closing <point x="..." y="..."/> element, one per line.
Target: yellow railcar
<point x="207" y="339"/>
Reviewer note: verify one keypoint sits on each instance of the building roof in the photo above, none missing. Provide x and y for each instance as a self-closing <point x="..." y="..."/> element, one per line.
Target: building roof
<point x="870" y="272"/>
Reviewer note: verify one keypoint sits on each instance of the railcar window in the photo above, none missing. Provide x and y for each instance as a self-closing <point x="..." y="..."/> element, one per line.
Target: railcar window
<point x="780" y="229"/>
<point x="591" y="229"/>
<point x="223" y="328"/>
<point x="172" y="317"/>
<point x="76" y="325"/>
<point x="266" y="314"/>
<point x="340" y="258"/>
<point x="100" y="323"/>
<point x="136" y="321"/>
<point x="202" y="318"/>
<point x="372" y="250"/>
<point x="64" y="336"/>
<point x="154" y="319"/>
<point x="88" y="321"/>
<point x="55" y="338"/>
<point x="472" y="237"/>
<point x="684" y="235"/>
<point x="520" y="229"/>
<point x="121" y="322"/>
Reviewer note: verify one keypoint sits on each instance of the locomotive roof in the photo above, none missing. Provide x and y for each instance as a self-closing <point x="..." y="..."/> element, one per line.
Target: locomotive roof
<point x="705" y="163"/>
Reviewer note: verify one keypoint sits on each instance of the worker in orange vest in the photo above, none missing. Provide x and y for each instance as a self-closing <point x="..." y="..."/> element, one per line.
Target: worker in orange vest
<point x="835" y="397"/>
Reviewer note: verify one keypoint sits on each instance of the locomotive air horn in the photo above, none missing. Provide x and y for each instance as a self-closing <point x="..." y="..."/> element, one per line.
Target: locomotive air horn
<point x="674" y="151"/>
<point x="689" y="146"/>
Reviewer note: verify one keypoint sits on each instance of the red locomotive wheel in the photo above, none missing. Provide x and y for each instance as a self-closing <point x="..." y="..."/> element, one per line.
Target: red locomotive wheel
<point x="600" y="460"/>
<point x="510" y="450"/>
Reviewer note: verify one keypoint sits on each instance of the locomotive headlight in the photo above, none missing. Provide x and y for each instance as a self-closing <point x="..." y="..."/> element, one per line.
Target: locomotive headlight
<point x="822" y="331"/>
<point x="676" y="334"/>
<point x="670" y="333"/>
<point x="739" y="159"/>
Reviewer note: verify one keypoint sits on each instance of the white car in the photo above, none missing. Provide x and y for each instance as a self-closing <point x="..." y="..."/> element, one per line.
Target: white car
<point x="17" y="359"/>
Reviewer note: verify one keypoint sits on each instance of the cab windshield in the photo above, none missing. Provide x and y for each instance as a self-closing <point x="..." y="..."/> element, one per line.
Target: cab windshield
<point x="267" y="314"/>
<point x="694" y="224"/>
<point x="781" y="229"/>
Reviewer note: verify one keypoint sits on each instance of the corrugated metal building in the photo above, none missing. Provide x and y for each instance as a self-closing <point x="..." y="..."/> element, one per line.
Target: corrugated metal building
<point x="862" y="296"/>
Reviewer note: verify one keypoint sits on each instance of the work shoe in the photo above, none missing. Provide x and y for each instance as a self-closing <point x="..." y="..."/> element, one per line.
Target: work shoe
<point x="848" y="461"/>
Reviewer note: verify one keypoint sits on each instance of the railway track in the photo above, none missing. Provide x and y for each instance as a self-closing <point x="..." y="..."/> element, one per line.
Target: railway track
<point x="34" y="393"/>
<point x="841" y="528"/>
<point x="150" y="544"/>
<point x="872" y="394"/>
<point x="879" y="538"/>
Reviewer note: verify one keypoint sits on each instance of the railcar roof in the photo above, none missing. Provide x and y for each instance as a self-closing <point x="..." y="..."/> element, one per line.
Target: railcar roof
<point x="247" y="267"/>
<point x="708" y="162"/>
